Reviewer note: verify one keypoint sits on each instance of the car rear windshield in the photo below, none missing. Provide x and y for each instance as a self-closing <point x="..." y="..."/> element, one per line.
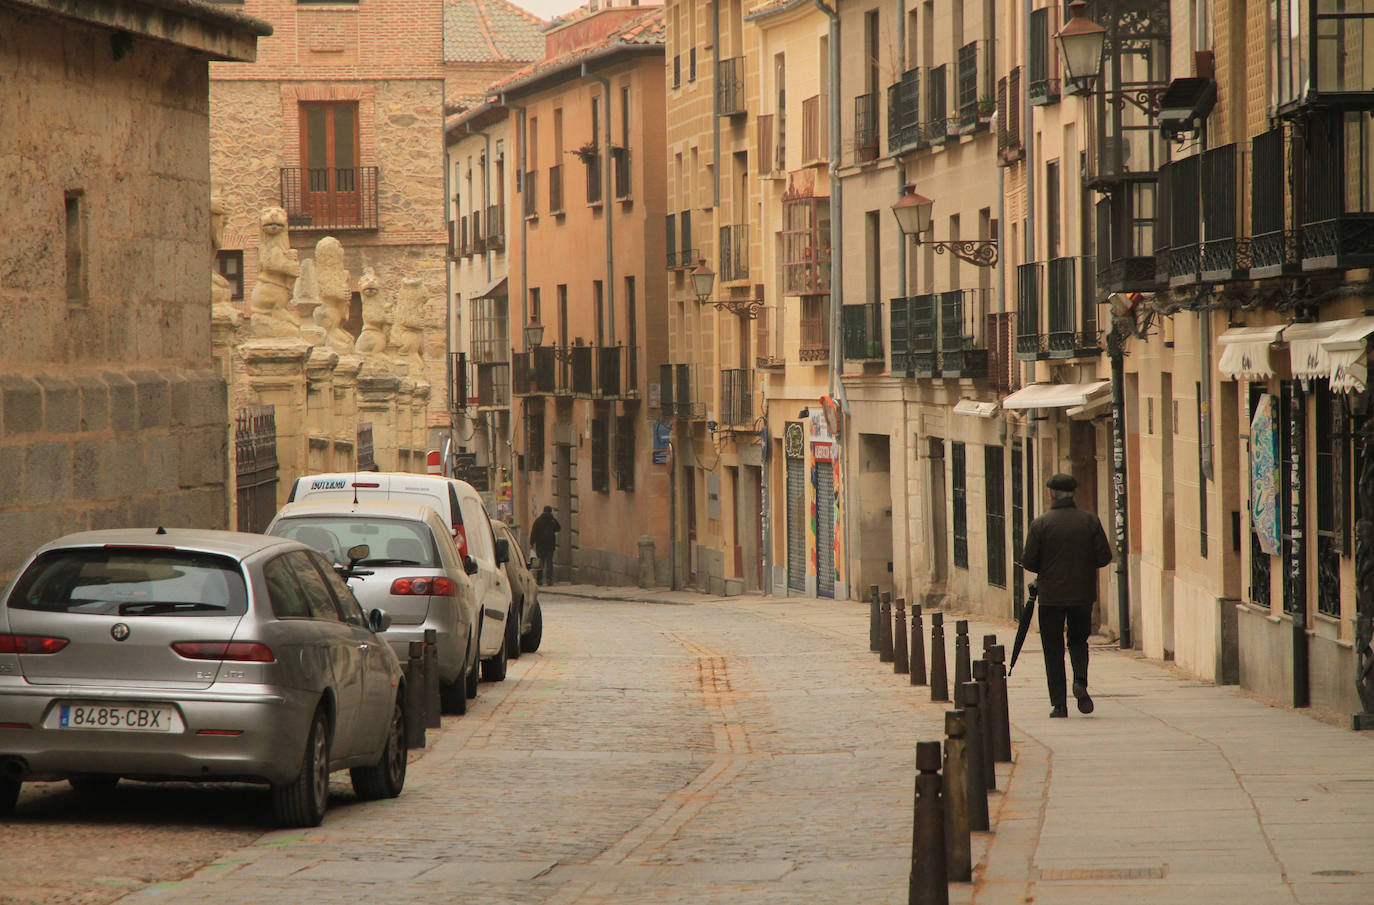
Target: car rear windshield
<point x="392" y="542"/>
<point x="132" y="582"/>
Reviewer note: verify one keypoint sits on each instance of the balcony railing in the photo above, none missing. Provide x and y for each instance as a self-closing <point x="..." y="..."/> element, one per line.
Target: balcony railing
<point x="737" y="397"/>
<point x="973" y="84"/>
<point x="936" y="127"/>
<point x="676" y="397"/>
<point x="1072" y="312"/>
<point x="1336" y="213"/>
<point x="861" y="330"/>
<point x="815" y="338"/>
<point x="457" y="374"/>
<point x="904" y="112"/>
<point x="621" y="165"/>
<point x="768" y="323"/>
<point x="734" y="253"/>
<point x="330" y="197"/>
<point x="865" y="128"/>
<point x="923" y="348"/>
<point x="815" y="133"/>
<point x="1030" y="341"/>
<point x="1126" y="238"/>
<point x="767" y="159"/>
<point x="730" y="87"/>
<point x="556" y="189"/>
<point x="479" y="237"/>
<point x="530" y="193"/>
<point x="616" y="371"/>
<point x="1042" y="63"/>
<point x="1009" y="148"/>
<point x="1274" y="243"/>
<point x="496" y="226"/>
<point x="493" y="384"/>
<point x="593" y="165"/>
<point x="536" y="371"/>
<point x="963" y="320"/>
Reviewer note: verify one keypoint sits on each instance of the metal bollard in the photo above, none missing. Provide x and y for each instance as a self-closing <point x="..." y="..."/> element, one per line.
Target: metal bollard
<point x="998" y="708"/>
<point x="900" y="665"/>
<point x="433" y="708"/>
<point x="939" y="681"/>
<point x="980" y="678"/>
<point x="967" y="700"/>
<point x="958" y="846"/>
<point x="885" y="629"/>
<point x="928" y="883"/>
<point x="918" y="647"/>
<point x="873" y="617"/>
<point x="415" y="695"/>
<point x="961" y="653"/>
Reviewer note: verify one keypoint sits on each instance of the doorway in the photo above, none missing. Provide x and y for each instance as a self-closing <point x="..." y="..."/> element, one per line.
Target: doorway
<point x="564" y="505"/>
<point x="938" y="550"/>
<point x="875" y="515"/>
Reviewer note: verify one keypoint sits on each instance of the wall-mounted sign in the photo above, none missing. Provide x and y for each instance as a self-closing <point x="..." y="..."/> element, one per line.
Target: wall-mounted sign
<point x="663" y="432"/>
<point x="793" y="441"/>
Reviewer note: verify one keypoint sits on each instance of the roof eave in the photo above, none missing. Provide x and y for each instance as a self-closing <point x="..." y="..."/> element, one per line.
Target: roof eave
<point x="572" y="66"/>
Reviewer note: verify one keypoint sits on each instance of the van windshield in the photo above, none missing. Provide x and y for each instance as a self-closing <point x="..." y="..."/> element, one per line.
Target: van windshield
<point x="392" y="541"/>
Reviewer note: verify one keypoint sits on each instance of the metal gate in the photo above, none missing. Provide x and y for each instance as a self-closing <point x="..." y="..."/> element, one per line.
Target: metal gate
<point x="825" y="530"/>
<point x="796" y="525"/>
<point x="255" y="471"/>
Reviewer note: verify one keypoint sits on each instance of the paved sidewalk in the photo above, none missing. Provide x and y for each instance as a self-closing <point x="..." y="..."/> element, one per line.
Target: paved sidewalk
<point x="1173" y="792"/>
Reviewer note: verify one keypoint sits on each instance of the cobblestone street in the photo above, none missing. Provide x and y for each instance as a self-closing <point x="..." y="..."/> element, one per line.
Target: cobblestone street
<point x="751" y="750"/>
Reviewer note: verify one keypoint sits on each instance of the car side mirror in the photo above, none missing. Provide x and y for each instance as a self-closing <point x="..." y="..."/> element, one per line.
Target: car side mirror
<point x="379" y="620"/>
<point x="358" y="553"/>
<point x="502" y="550"/>
<point x="469" y="565"/>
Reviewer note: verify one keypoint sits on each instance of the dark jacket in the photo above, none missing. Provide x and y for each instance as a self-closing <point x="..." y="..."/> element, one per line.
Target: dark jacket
<point x="1065" y="547"/>
<point x="544" y="532"/>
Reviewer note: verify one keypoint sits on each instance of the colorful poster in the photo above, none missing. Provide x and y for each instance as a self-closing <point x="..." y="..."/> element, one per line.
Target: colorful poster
<point x="1264" y="501"/>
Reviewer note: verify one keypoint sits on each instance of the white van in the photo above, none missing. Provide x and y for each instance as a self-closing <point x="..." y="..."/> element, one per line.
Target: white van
<point x="461" y="508"/>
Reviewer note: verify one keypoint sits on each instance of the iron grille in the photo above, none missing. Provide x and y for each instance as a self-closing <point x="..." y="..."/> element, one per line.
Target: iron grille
<point x="330" y="197"/>
<point x="960" y="504"/>
<point x="994" y="480"/>
<point x="730" y="87"/>
<point x="865" y="127"/>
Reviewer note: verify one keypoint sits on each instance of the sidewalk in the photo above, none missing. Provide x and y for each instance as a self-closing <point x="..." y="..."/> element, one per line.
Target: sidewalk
<point x="1173" y="792"/>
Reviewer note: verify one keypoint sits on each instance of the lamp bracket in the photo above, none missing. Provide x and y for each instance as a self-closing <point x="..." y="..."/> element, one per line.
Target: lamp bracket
<point x="745" y="308"/>
<point x="978" y="253"/>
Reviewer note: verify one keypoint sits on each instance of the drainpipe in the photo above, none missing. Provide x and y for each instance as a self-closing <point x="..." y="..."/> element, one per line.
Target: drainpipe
<point x="486" y="185"/>
<point x="448" y="295"/>
<point x="609" y="295"/>
<point x="901" y="170"/>
<point x="715" y="106"/>
<point x="519" y="111"/>
<point x="837" y="277"/>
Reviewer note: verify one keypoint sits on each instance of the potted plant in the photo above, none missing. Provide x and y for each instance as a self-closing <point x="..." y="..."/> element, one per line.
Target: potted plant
<point x="986" y="107"/>
<point x="587" y="153"/>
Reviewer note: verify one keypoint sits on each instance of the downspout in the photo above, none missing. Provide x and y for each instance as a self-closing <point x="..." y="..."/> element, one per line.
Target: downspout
<point x="837" y="279"/>
<point x="456" y="405"/>
<point x="486" y="186"/>
<point x="609" y="312"/>
<point x="715" y="106"/>
<point x="900" y="170"/>
<point x="519" y="111"/>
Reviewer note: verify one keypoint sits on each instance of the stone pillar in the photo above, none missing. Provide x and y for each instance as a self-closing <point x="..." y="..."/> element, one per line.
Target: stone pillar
<point x="319" y="406"/>
<point x="344" y="428"/>
<point x="276" y="377"/>
<point x="378" y="389"/>
<point x="420" y="438"/>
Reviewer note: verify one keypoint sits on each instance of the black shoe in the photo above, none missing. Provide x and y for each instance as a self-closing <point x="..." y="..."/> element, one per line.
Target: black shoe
<point x="1060" y="713"/>
<point x="1085" y="703"/>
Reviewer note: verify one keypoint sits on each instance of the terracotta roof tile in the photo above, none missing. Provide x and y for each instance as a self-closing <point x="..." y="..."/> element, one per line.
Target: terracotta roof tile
<point x="484" y="31"/>
<point x="648" y="30"/>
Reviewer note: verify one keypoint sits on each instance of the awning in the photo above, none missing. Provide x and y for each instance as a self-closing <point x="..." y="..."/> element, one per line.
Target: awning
<point x="975" y="408"/>
<point x="1307" y="360"/>
<point x="1344" y="348"/>
<point x="496" y="290"/>
<point x="1056" y="395"/>
<point x="1245" y="352"/>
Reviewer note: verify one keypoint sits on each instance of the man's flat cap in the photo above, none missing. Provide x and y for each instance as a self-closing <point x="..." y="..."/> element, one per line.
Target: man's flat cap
<point x="1061" y="481"/>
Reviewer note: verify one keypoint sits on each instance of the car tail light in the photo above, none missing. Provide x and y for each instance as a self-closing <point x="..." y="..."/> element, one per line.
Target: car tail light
<point x="461" y="537"/>
<point x="371" y="484"/>
<point x="247" y="651"/>
<point x="30" y="644"/>
<point x="422" y="587"/>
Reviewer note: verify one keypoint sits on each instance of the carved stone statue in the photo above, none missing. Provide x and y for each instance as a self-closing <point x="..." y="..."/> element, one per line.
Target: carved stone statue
<point x="331" y="281"/>
<point x="376" y="315"/>
<point x="408" y="334"/>
<point x="220" y="291"/>
<point x="278" y="268"/>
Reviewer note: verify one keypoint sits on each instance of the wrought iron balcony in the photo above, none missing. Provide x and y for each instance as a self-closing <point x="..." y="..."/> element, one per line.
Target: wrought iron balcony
<point x="620" y="160"/>
<point x="493" y="384"/>
<point x="556" y="189"/>
<point x="862" y="332"/>
<point x="973" y="85"/>
<point x="904" y="112"/>
<point x="536" y="371"/>
<point x="736" y="398"/>
<point x="496" y="226"/>
<point x="937" y="125"/>
<point x="815" y="131"/>
<point x="681" y="254"/>
<point x="734" y="253"/>
<point x="1126" y="238"/>
<point x="1030" y="341"/>
<point x="963" y="319"/>
<point x="576" y="373"/>
<point x="769" y="337"/>
<point x="616" y="371"/>
<point x="530" y="193"/>
<point x="330" y="197"/>
<point x="593" y="165"/>
<point x="730" y="87"/>
<point x="815" y="337"/>
<point x="912" y="324"/>
<point x="1336" y="215"/>
<point x="865" y="128"/>
<point x="1072" y="311"/>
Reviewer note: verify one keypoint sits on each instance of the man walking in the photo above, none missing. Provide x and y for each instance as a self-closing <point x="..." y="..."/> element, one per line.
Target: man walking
<point x="544" y="539"/>
<point x="1065" y="547"/>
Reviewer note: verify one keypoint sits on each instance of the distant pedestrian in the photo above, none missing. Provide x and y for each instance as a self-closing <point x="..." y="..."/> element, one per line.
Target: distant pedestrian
<point x="544" y="539"/>
<point x="1065" y="547"/>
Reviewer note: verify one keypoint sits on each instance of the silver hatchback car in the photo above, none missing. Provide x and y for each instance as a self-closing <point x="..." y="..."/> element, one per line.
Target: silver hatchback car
<point x="413" y="570"/>
<point x="195" y="655"/>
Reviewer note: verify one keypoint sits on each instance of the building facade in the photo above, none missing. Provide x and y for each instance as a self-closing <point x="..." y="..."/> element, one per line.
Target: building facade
<point x="111" y="411"/>
<point x="585" y="263"/>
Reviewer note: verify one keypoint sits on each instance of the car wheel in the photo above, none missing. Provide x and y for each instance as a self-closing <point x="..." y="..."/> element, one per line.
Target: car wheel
<point x="530" y="640"/>
<point x="302" y="801"/>
<point x="93" y="783"/>
<point x="453" y="697"/>
<point x="475" y="657"/>
<point x="494" y="668"/>
<point x="385" y="778"/>
<point x="513" y="632"/>
<point x="9" y="794"/>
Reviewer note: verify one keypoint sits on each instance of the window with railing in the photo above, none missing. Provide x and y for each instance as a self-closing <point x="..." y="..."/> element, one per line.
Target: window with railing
<point x="496" y="226"/>
<point x="1009" y="148"/>
<point x="806" y="244"/>
<point x="1335" y="210"/>
<point x="865" y="128"/>
<point x="737" y="397"/>
<point x="974" y="95"/>
<point x="936" y="128"/>
<point x="1028" y="335"/>
<point x="730" y="87"/>
<point x="1042" y="71"/>
<point x="959" y="486"/>
<point x="488" y="330"/>
<point x="682" y="254"/>
<point x="904" y="112"/>
<point x="766" y="158"/>
<point x="963" y="348"/>
<point x="601" y="449"/>
<point x="1061" y="281"/>
<point x="534" y="435"/>
<point x="861" y="331"/>
<point x="479" y="236"/>
<point x="556" y="189"/>
<point x="677" y="71"/>
<point x="457" y="374"/>
<point x="734" y="253"/>
<point x="994" y="481"/>
<point x="620" y="158"/>
<point x="815" y="328"/>
<point x="768" y="325"/>
<point x="593" y="165"/>
<point x="815" y="137"/>
<point x="625" y="450"/>
<point x="1126" y="237"/>
<point x="530" y="193"/>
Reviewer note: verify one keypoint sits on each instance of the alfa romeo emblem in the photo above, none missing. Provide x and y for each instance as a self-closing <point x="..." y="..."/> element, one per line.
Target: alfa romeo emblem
<point x="119" y="631"/>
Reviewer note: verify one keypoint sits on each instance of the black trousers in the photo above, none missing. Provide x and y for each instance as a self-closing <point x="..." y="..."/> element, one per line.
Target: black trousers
<point x="1078" y="620"/>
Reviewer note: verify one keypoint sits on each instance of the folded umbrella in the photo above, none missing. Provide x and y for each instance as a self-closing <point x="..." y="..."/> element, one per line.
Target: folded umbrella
<point x="1023" y="627"/>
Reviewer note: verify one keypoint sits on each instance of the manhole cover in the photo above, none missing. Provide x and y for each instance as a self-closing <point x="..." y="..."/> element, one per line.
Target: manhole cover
<point x="1101" y="873"/>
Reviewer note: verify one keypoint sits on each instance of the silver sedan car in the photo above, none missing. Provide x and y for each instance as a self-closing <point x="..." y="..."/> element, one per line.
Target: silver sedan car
<point x="195" y="655"/>
<point x="413" y="570"/>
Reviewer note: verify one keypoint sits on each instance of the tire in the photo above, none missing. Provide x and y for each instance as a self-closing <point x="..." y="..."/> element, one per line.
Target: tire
<point x="530" y="640"/>
<point x="93" y="783"/>
<point x="302" y="801"/>
<point x="513" y="632"/>
<point x="9" y="794"/>
<point x="476" y="657"/>
<point x="494" y="668"/>
<point x="453" y="697"/>
<point x="387" y="777"/>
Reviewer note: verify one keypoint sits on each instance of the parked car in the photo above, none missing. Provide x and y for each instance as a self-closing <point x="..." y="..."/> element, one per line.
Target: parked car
<point x="196" y="655"/>
<point x="460" y="506"/>
<point x="528" y="624"/>
<point x="412" y="569"/>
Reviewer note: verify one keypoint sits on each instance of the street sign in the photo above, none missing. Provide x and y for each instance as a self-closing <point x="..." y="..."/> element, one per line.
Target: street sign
<point x="663" y="432"/>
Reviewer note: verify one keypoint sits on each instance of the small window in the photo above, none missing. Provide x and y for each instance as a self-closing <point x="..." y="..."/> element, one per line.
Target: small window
<point x="77" y="293"/>
<point x="230" y="266"/>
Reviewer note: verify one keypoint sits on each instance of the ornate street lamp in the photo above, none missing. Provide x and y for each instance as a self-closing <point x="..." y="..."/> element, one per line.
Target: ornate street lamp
<point x="1082" y="43"/>
<point x="913" y="212"/>
<point x="534" y="333"/>
<point x="703" y="281"/>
